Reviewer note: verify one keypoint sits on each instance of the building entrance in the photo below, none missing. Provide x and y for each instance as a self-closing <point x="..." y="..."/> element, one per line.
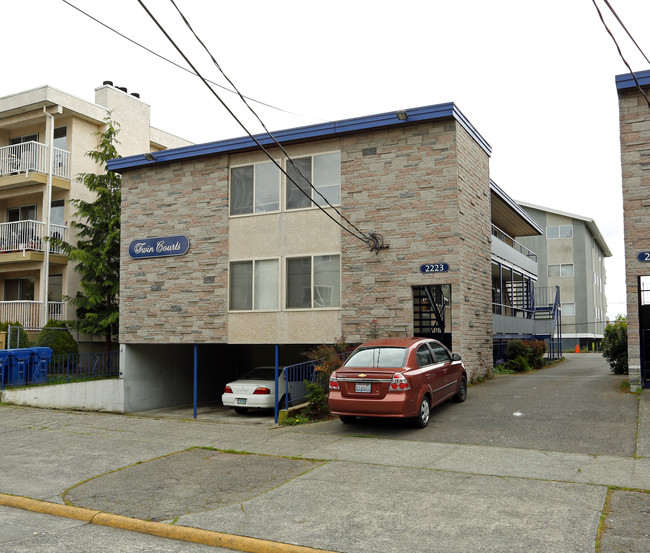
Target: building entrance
<point x="432" y="312"/>
<point x="644" y="328"/>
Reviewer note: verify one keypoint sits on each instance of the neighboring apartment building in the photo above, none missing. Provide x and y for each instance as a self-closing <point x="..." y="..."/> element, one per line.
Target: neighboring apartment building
<point x="571" y="254"/>
<point x="33" y="277"/>
<point x="634" y="113"/>
<point x="226" y="261"/>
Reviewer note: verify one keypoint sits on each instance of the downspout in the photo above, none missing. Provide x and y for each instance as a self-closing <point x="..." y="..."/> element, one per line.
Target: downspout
<point x="48" y="213"/>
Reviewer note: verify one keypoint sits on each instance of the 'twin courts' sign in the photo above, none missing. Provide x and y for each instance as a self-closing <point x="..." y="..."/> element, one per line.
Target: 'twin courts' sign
<point x="159" y="247"/>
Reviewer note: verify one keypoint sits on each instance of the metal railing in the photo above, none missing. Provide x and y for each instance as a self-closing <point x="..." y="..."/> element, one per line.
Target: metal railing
<point x="32" y="157"/>
<point x="28" y="313"/>
<point x="29" y="235"/>
<point x="510" y="241"/>
<point x="297" y="376"/>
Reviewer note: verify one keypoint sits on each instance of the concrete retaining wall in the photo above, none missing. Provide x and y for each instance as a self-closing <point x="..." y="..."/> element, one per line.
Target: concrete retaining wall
<point x="96" y="395"/>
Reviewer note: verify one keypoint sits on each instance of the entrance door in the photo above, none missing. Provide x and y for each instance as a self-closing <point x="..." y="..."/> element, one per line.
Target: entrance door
<point x="432" y="312"/>
<point x="644" y="327"/>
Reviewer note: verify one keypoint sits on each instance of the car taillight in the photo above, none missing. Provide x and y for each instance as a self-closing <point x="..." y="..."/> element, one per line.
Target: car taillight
<point x="261" y="390"/>
<point x="228" y="390"/>
<point x="399" y="383"/>
<point x="334" y="383"/>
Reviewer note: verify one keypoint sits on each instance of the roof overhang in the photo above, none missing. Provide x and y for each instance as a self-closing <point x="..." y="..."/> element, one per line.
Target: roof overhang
<point x="589" y="222"/>
<point x="320" y="131"/>
<point x="627" y="82"/>
<point x="509" y="216"/>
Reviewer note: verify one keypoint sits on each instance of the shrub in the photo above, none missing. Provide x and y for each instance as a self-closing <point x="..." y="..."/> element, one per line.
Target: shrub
<point x="516" y="348"/>
<point x="18" y="338"/>
<point x="615" y="345"/>
<point x="55" y="335"/>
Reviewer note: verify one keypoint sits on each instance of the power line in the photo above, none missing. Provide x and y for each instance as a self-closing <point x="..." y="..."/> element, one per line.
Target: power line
<point x="243" y="99"/>
<point x="362" y="237"/>
<point x="625" y="28"/>
<point x="180" y="66"/>
<point x="638" y="85"/>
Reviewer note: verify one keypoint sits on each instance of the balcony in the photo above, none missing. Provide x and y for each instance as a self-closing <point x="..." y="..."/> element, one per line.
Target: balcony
<point x="29" y="313"/>
<point x="508" y="249"/>
<point x="26" y="241"/>
<point x="27" y="164"/>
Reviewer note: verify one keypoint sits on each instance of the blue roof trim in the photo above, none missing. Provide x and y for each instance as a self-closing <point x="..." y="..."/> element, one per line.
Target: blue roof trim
<point x="625" y="82"/>
<point x="515" y="206"/>
<point x="300" y="134"/>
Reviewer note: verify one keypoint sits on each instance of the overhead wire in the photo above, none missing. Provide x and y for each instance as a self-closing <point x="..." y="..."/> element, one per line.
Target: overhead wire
<point x="620" y="53"/>
<point x="180" y="66"/>
<point x="243" y="99"/>
<point x="362" y="237"/>
<point x="625" y="29"/>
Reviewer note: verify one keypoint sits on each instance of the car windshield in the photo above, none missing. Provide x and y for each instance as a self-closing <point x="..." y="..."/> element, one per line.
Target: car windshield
<point x="259" y="373"/>
<point x="377" y="357"/>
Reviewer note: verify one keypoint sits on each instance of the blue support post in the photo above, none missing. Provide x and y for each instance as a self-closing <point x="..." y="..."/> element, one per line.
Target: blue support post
<point x="277" y="377"/>
<point x="196" y="377"/>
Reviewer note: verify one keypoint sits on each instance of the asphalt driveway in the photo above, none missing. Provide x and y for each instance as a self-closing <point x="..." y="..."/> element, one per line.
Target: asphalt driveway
<point x="575" y="406"/>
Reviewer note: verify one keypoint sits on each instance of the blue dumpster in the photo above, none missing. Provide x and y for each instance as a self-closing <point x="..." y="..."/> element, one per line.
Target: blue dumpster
<point x="4" y="367"/>
<point x="19" y="364"/>
<point x="41" y="359"/>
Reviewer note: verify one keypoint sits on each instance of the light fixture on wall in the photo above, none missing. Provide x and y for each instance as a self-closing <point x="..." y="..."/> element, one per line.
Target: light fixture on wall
<point x="402" y="115"/>
<point x="149" y="156"/>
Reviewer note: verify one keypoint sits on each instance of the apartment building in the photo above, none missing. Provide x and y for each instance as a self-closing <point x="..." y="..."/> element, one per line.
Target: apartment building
<point x="227" y="264"/>
<point x="634" y="114"/>
<point x="44" y="136"/>
<point x="571" y="255"/>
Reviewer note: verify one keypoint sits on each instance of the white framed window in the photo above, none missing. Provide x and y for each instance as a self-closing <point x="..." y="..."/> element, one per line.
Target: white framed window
<point x="569" y="309"/>
<point x="254" y="189"/>
<point x="324" y="173"/>
<point x="314" y="282"/>
<point x="559" y="231"/>
<point x="562" y="270"/>
<point x="255" y="285"/>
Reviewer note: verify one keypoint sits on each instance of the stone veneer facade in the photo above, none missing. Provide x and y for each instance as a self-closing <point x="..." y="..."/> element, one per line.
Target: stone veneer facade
<point x="635" y="155"/>
<point x="423" y="187"/>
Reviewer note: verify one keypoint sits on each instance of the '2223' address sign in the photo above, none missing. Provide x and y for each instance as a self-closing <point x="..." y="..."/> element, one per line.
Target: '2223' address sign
<point x="159" y="247"/>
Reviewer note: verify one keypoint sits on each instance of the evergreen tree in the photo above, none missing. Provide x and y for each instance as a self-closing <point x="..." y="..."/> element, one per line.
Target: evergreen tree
<point x="97" y="252"/>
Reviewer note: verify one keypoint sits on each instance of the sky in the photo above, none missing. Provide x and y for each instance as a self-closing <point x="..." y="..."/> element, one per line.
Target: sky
<point x="536" y="79"/>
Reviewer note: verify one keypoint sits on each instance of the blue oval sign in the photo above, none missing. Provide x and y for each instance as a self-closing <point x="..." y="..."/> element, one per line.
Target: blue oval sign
<point x="159" y="247"/>
<point x="644" y="257"/>
<point x="434" y="268"/>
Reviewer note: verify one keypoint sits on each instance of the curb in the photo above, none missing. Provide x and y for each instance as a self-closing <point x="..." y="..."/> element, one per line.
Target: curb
<point x="160" y="529"/>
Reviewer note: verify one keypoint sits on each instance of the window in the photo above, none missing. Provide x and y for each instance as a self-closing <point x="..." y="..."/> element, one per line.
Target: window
<point x="313" y="282"/>
<point x="61" y="138"/>
<point x="324" y="173"/>
<point x="254" y="285"/>
<point x="254" y="189"/>
<point x="22" y="213"/>
<point x="565" y="270"/>
<point x="569" y="309"/>
<point x="559" y="231"/>
<point x="19" y="289"/>
<point x="442" y="355"/>
<point x="424" y="356"/>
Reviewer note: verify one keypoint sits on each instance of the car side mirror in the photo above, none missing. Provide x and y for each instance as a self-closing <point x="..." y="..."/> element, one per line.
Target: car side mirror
<point x="455" y="357"/>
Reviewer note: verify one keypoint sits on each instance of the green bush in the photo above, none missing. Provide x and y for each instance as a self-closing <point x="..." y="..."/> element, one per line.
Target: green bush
<point x="516" y="348"/>
<point x="525" y="355"/>
<point x="55" y="335"/>
<point x="615" y="345"/>
<point x="23" y="342"/>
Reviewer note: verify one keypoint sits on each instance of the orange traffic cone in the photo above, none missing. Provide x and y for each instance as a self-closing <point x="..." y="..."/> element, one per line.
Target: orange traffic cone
<point x="577" y="348"/>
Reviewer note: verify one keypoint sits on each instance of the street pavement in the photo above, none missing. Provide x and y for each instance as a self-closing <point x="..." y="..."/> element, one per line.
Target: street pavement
<point x="528" y="463"/>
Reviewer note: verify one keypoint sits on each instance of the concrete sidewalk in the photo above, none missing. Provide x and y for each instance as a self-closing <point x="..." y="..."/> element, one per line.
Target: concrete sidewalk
<point x="324" y="487"/>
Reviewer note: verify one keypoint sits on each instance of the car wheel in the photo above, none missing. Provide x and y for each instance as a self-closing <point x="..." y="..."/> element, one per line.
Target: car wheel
<point x="423" y="415"/>
<point x="241" y="410"/>
<point x="347" y="419"/>
<point x="461" y="394"/>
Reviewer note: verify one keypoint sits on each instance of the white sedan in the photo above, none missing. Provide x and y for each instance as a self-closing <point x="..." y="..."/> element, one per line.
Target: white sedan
<point x="255" y="390"/>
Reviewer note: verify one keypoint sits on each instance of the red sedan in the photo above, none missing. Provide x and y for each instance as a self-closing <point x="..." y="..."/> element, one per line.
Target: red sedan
<point x="397" y="377"/>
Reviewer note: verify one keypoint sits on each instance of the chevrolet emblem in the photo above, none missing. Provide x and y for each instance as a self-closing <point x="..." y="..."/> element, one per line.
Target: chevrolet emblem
<point x="362" y="376"/>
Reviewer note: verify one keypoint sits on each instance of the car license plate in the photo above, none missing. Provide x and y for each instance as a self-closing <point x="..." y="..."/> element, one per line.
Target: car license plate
<point x="241" y="401"/>
<point x="362" y="388"/>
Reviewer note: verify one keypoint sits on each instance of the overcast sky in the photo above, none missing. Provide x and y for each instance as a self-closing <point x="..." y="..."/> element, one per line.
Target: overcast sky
<point x="536" y="79"/>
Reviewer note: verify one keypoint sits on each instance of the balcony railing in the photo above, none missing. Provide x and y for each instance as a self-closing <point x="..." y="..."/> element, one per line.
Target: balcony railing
<point x="32" y="157"/>
<point x="29" y="235"/>
<point x="29" y="313"/>
<point x="510" y="241"/>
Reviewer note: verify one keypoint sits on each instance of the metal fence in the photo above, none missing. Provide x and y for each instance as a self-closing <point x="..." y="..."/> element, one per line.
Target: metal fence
<point x="29" y="235"/>
<point x="70" y="368"/>
<point x="32" y="156"/>
<point x="298" y="376"/>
